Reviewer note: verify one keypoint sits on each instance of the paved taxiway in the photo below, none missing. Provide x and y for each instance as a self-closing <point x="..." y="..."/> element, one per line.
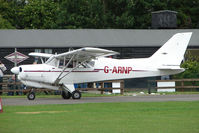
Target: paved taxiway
<point x="142" y="98"/>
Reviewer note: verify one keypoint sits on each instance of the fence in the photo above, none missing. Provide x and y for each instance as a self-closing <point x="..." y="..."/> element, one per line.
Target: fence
<point x="175" y="84"/>
<point x="116" y="86"/>
<point x="182" y="84"/>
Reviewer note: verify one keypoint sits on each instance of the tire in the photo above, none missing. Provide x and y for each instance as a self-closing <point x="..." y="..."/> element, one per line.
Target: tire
<point x="31" y="96"/>
<point x="66" y="95"/>
<point x="76" y="94"/>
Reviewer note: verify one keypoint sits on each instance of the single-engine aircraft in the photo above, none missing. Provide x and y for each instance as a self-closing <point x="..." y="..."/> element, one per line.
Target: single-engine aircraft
<point x="91" y="64"/>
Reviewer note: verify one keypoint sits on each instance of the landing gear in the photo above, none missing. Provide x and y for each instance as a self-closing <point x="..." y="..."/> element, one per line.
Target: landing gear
<point x="31" y="96"/>
<point x="69" y="90"/>
<point x="66" y="95"/>
<point x="76" y="94"/>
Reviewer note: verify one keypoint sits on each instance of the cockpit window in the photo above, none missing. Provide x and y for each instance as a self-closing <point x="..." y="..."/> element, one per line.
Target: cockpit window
<point x="72" y="64"/>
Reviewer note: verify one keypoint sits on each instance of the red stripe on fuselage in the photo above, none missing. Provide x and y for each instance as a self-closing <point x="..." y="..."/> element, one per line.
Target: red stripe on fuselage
<point x="56" y="71"/>
<point x="96" y="70"/>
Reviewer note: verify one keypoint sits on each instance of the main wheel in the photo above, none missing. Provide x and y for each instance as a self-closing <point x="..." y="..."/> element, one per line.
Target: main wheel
<point x="76" y="94"/>
<point x="66" y="95"/>
<point x="31" y="96"/>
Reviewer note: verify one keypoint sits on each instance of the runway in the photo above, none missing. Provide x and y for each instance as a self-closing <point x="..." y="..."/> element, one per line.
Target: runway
<point x="111" y="99"/>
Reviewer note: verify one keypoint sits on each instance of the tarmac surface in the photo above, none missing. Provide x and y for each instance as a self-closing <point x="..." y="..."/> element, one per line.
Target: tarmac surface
<point x="110" y="99"/>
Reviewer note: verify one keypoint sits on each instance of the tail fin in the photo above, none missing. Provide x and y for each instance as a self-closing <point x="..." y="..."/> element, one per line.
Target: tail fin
<point x="172" y="52"/>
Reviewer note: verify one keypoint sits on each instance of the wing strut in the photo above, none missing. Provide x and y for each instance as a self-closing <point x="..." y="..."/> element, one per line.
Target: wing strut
<point x="58" y="78"/>
<point x="72" y="70"/>
<point x="60" y="75"/>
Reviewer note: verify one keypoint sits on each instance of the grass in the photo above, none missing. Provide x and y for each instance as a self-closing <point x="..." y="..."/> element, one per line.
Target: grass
<point x="142" y="117"/>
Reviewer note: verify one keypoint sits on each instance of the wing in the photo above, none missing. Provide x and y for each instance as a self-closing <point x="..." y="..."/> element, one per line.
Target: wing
<point x="44" y="55"/>
<point x="80" y="55"/>
<point x="86" y="53"/>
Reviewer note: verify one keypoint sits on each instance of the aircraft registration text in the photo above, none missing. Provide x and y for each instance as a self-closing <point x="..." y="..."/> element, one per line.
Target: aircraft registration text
<point x="118" y="69"/>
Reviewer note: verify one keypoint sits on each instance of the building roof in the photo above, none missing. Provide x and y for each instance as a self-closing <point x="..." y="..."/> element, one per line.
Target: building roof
<point x="90" y="37"/>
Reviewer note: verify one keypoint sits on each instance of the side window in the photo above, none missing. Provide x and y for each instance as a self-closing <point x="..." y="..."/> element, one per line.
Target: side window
<point x="61" y="63"/>
<point x="64" y="62"/>
<point x="89" y="64"/>
<point x="75" y="64"/>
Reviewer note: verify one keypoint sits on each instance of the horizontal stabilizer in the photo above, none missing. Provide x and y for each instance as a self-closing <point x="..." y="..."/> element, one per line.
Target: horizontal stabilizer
<point x="170" y="67"/>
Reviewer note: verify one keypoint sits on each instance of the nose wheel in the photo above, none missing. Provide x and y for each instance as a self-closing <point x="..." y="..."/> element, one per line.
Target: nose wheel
<point x="31" y="95"/>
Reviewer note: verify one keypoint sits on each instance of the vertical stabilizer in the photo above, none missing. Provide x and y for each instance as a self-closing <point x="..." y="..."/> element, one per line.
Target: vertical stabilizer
<point x="172" y="52"/>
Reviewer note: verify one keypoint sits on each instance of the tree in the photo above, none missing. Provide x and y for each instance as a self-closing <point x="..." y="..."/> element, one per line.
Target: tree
<point x="191" y="66"/>
<point x="95" y="14"/>
<point x="142" y="14"/>
<point x="7" y="14"/>
<point x="39" y="14"/>
<point x="118" y="14"/>
<point x="5" y="24"/>
<point x="187" y="12"/>
<point x="80" y="14"/>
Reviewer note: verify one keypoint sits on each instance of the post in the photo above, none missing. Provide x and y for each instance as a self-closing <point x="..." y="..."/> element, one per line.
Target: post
<point x="122" y="87"/>
<point x="15" y="64"/>
<point x="15" y="57"/>
<point x="182" y="85"/>
<point x="1" y="106"/>
<point x="149" y="90"/>
<point x="149" y="85"/>
<point x="102" y="91"/>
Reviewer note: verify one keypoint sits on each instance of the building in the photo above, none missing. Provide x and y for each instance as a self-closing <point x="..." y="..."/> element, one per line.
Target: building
<point x="164" y="19"/>
<point x="130" y="43"/>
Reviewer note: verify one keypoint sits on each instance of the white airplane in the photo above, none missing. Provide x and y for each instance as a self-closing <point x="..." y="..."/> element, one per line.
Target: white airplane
<point x="91" y="65"/>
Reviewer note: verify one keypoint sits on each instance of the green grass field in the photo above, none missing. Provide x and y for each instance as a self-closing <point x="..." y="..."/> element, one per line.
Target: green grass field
<point x="139" y="117"/>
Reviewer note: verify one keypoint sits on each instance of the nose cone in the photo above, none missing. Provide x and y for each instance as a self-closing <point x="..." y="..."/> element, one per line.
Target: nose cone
<point x="15" y="70"/>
